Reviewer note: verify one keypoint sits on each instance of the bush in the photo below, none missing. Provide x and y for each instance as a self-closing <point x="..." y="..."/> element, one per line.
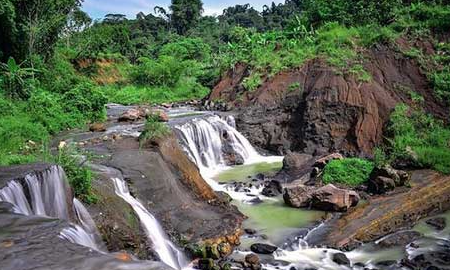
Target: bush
<point x="427" y="137"/>
<point x="349" y="171"/>
<point x="87" y="100"/>
<point x="80" y="177"/>
<point x="153" y="130"/>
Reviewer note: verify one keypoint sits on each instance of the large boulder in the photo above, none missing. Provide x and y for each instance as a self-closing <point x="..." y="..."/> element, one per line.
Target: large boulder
<point x="381" y="185"/>
<point x="272" y="188"/>
<point x="130" y="115"/>
<point x="331" y="198"/>
<point x="297" y="196"/>
<point x="386" y="178"/>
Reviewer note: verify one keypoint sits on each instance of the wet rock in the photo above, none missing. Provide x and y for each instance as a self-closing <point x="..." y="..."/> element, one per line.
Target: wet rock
<point x="250" y="231"/>
<point x="331" y="198"/>
<point x="386" y="263"/>
<point x="253" y="261"/>
<point x="255" y="200"/>
<point x="230" y="156"/>
<point x="130" y="115"/>
<point x="260" y="248"/>
<point x="272" y="189"/>
<point x="341" y="259"/>
<point x="206" y="264"/>
<point x="297" y="196"/>
<point x="381" y="185"/>
<point x="97" y="127"/>
<point x="401" y="238"/>
<point x="437" y="223"/>
<point x="322" y="162"/>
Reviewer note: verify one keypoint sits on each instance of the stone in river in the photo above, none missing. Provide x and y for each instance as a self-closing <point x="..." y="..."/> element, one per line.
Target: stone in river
<point x="272" y="189"/>
<point x="263" y="248"/>
<point x="341" y="259"/>
<point x="438" y="223"/>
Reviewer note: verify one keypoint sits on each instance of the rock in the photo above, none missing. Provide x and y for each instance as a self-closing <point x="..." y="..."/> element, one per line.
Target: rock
<point x="62" y="145"/>
<point x="130" y="115"/>
<point x="253" y="261"/>
<point x="322" y="162"/>
<point x="166" y="105"/>
<point x="255" y="200"/>
<point x="293" y="161"/>
<point x="341" y="259"/>
<point x="206" y="264"/>
<point x="272" y="189"/>
<point x="97" y="127"/>
<point x="401" y="238"/>
<point x="331" y="198"/>
<point x="224" y="249"/>
<point x="385" y="263"/>
<point x="438" y="223"/>
<point x="260" y="248"/>
<point x="400" y="177"/>
<point x="380" y="185"/>
<point x="250" y="231"/>
<point x="297" y="196"/>
<point x="160" y="115"/>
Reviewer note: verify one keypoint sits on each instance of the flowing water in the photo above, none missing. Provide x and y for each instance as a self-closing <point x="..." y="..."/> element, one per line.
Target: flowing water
<point x="204" y="140"/>
<point x="166" y="250"/>
<point x="48" y="197"/>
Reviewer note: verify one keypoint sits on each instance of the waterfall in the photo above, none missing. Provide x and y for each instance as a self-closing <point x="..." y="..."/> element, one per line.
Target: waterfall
<point x="207" y="139"/>
<point x="165" y="249"/>
<point x="48" y="197"/>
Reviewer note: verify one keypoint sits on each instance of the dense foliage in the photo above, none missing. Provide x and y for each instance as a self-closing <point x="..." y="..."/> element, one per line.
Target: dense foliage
<point x="58" y="67"/>
<point x="350" y="171"/>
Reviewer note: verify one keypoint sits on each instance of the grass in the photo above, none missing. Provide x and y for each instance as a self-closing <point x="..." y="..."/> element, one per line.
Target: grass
<point x="350" y="171"/>
<point x="153" y="130"/>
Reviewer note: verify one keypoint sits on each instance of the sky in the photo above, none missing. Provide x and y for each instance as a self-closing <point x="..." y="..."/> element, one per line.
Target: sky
<point x="97" y="9"/>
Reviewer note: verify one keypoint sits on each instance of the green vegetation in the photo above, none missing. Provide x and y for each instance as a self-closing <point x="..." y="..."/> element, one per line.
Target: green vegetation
<point x="349" y="171"/>
<point x="418" y="138"/>
<point x="58" y="67"/>
<point x="153" y="130"/>
<point x="80" y="177"/>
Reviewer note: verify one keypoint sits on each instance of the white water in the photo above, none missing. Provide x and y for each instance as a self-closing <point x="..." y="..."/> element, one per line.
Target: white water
<point x="48" y="198"/>
<point x="165" y="249"/>
<point x="203" y="139"/>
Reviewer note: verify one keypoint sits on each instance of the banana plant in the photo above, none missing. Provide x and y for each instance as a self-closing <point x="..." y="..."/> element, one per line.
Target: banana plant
<point x="14" y="77"/>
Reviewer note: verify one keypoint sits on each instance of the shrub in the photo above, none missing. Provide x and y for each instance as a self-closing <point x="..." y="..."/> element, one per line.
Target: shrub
<point x="153" y="130"/>
<point x="252" y="82"/>
<point x="167" y="71"/>
<point x="14" y="79"/>
<point x="349" y="171"/>
<point x="80" y="177"/>
<point x="87" y="100"/>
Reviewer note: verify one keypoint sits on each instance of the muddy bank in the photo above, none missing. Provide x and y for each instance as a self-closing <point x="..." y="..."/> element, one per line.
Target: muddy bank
<point x="329" y="110"/>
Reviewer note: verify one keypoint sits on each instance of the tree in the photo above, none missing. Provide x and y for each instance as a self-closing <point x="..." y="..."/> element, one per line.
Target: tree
<point x="114" y="18"/>
<point x="185" y="14"/>
<point x="243" y="16"/>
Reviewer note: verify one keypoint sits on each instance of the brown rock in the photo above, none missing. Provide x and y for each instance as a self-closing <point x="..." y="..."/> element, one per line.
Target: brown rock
<point x="253" y="261"/>
<point x="321" y="162"/>
<point x="295" y="161"/>
<point x="97" y="127"/>
<point x="297" y="196"/>
<point x="331" y="198"/>
<point x="381" y="185"/>
<point x="130" y="115"/>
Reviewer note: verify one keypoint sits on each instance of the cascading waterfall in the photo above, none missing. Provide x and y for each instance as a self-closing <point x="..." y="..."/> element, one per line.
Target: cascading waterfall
<point x="166" y="250"/>
<point x="48" y="197"/>
<point x="203" y="139"/>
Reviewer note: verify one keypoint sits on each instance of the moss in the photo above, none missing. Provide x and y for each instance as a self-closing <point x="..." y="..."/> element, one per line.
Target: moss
<point x="349" y="171"/>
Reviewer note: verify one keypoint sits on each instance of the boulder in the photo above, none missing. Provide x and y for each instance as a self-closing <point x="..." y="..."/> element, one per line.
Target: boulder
<point x="323" y="161"/>
<point x="437" y="223"/>
<point x="97" y="127"/>
<point x="272" y="189"/>
<point x="260" y="248"/>
<point x="331" y="198"/>
<point x="295" y="161"/>
<point x="341" y="259"/>
<point x="381" y="185"/>
<point x="130" y="115"/>
<point x="252" y="260"/>
<point x="297" y="196"/>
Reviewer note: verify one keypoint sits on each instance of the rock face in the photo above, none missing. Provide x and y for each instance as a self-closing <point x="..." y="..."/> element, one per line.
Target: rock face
<point x="327" y="198"/>
<point x="382" y="215"/>
<point x="332" y="111"/>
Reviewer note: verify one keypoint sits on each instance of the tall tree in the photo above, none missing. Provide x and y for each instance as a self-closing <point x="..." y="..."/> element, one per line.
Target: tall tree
<point x="185" y="14"/>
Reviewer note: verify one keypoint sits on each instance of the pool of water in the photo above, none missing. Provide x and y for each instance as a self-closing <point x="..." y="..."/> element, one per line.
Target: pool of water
<point x="241" y="172"/>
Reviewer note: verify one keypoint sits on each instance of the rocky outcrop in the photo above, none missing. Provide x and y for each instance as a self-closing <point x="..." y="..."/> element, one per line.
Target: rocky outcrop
<point x="382" y="215"/>
<point x="327" y="198"/>
<point x="333" y="110"/>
